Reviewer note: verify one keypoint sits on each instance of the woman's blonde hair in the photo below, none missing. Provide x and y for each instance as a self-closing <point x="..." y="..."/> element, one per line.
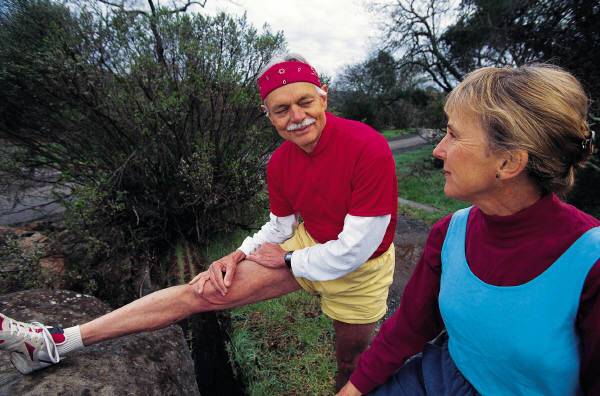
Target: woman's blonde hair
<point x="538" y="108"/>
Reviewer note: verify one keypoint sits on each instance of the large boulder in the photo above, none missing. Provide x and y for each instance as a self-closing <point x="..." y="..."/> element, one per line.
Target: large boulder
<point x="153" y="363"/>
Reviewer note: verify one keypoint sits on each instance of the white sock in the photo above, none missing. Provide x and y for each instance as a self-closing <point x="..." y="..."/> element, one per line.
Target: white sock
<point x="72" y="341"/>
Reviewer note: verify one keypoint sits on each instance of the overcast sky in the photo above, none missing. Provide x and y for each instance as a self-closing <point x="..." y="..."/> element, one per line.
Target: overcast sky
<point x="329" y="33"/>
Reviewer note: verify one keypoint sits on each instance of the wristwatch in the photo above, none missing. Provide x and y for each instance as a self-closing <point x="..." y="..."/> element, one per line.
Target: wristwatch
<point x="287" y="258"/>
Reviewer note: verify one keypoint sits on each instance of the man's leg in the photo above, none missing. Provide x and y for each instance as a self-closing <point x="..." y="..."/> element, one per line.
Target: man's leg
<point x="350" y="341"/>
<point x="252" y="283"/>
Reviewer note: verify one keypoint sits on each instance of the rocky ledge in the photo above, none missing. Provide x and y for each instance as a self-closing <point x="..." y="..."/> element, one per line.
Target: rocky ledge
<point x="153" y="363"/>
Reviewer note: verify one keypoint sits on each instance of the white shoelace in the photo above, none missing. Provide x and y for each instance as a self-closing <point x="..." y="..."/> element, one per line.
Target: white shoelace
<point x="22" y="329"/>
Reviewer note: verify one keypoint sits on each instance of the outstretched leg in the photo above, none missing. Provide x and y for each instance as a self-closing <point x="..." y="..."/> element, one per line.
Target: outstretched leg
<point x="32" y="346"/>
<point x="252" y="283"/>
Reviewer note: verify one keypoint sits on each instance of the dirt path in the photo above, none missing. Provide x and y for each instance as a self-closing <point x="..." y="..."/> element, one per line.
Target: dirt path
<point x="406" y="144"/>
<point x="409" y="241"/>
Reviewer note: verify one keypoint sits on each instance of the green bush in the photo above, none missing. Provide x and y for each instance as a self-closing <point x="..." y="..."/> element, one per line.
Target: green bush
<point x="150" y="118"/>
<point x="18" y="268"/>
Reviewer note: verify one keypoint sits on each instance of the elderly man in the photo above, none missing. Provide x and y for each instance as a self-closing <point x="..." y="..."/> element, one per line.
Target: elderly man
<point x="337" y="176"/>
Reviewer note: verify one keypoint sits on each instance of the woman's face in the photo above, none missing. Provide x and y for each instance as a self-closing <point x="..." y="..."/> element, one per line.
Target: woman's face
<point x="469" y="165"/>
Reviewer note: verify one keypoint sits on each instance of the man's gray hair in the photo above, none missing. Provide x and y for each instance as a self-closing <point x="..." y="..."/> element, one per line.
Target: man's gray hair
<point x="285" y="57"/>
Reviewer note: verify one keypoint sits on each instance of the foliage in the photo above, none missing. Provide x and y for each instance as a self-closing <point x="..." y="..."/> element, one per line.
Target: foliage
<point x="412" y="32"/>
<point x="420" y="181"/>
<point x="446" y="42"/>
<point x="19" y="268"/>
<point x="377" y="93"/>
<point x="515" y="32"/>
<point x="151" y="118"/>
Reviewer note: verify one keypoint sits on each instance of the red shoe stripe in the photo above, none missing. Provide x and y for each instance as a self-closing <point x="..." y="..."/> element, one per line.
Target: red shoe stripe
<point x="58" y="338"/>
<point x="30" y="349"/>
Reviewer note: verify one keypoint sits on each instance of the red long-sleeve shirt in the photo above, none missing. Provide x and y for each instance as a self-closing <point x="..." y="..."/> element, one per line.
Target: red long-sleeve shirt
<point x="502" y="251"/>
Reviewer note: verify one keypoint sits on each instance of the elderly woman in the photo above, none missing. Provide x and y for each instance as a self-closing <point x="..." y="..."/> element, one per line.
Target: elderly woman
<point x="514" y="280"/>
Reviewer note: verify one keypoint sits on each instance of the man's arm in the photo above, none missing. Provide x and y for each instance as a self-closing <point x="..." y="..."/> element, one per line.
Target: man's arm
<point x="221" y="272"/>
<point x="359" y="238"/>
<point x="276" y="230"/>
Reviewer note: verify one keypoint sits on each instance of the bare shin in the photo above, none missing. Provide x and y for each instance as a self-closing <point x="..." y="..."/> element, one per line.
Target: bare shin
<point x="252" y="283"/>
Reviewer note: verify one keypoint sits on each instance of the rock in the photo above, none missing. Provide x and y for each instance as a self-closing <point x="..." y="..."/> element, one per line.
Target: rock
<point x="30" y="241"/>
<point x="54" y="264"/>
<point x="53" y="269"/>
<point x="153" y="363"/>
<point x="431" y="135"/>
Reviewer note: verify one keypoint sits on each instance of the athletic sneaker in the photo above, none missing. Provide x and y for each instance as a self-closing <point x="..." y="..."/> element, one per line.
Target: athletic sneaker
<point x="32" y="346"/>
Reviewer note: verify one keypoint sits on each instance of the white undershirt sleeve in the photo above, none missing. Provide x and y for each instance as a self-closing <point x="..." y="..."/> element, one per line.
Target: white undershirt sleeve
<point x="359" y="239"/>
<point x="276" y="230"/>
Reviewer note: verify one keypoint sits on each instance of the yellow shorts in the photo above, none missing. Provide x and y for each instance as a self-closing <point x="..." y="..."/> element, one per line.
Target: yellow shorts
<point x="360" y="297"/>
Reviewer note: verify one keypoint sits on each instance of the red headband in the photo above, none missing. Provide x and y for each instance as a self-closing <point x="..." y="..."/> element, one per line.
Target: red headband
<point x="284" y="73"/>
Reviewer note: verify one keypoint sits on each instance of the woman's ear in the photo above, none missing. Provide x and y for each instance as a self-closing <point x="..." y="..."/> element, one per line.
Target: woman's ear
<point x="513" y="163"/>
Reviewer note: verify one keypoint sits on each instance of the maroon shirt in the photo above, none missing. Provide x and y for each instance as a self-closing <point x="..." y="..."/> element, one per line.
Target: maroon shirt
<point x="502" y="251"/>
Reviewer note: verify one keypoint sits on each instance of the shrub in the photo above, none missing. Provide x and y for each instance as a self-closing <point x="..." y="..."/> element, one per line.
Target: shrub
<point x="150" y="118"/>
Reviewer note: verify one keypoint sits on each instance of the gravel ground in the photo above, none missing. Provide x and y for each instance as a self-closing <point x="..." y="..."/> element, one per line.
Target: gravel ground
<point x="409" y="241"/>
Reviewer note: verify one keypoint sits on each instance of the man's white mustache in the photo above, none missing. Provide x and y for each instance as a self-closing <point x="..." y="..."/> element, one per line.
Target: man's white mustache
<point x="306" y="122"/>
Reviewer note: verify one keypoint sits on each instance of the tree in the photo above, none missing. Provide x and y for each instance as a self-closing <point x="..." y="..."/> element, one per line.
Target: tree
<point x="516" y="32"/>
<point x="413" y="32"/>
<point x="377" y="93"/>
<point x="444" y="43"/>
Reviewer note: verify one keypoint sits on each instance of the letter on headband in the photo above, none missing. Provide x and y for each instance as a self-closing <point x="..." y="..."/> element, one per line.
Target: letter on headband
<point x="284" y="73"/>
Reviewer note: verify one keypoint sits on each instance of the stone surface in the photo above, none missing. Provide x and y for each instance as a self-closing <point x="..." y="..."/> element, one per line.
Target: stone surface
<point x="53" y="264"/>
<point x="29" y="241"/>
<point x="153" y="363"/>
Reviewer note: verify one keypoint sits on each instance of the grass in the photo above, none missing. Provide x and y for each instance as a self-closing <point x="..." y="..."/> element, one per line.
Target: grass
<point x="420" y="181"/>
<point x="282" y="346"/>
<point x="397" y="133"/>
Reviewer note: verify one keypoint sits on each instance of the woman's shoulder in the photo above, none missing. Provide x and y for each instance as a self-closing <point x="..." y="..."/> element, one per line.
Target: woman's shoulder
<point x="574" y="217"/>
<point x="438" y="231"/>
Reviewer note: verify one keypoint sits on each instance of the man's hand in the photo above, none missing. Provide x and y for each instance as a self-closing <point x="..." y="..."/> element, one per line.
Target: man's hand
<point x="268" y="255"/>
<point x="199" y="281"/>
<point x="225" y="265"/>
<point x="349" y="390"/>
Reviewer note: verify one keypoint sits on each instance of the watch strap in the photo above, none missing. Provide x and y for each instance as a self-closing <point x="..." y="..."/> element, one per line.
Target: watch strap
<point x="287" y="258"/>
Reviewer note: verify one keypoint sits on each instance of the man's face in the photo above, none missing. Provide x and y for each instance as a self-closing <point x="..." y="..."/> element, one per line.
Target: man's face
<point x="297" y="112"/>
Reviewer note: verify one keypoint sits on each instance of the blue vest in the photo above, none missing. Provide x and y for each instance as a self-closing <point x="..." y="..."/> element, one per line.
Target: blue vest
<point x="515" y="340"/>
